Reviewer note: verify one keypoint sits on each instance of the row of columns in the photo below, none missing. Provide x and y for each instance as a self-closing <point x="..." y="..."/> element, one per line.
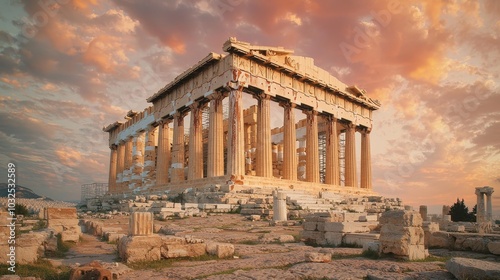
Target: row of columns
<point x="127" y="162"/>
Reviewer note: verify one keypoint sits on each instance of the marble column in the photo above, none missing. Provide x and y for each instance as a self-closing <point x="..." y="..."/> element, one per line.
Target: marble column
<point x="289" y="142"/>
<point x="215" y="164"/>
<point x="178" y="149"/>
<point x="312" y="148"/>
<point x="235" y="151"/>
<point x="195" y="164"/>
<point x="137" y="160"/>
<point x="120" y="166"/>
<point x="112" y="169"/>
<point x="279" y="206"/>
<point x="140" y="224"/>
<point x="148" y="175"/>
<point x="163" y="157"/>
<point x="423" y="212"/>
<point x="127" y="172"/>
<point x="480" y="215"/>
<point x="332" y="175"/>
<point x="264" y="159"/>
<point x="366" y="166"/>
<point x="489" y="207"/>
<point x="350" y="156"/>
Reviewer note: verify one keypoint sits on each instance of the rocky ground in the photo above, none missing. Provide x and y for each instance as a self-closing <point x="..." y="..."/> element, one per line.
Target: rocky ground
<point x="258" y="255"/>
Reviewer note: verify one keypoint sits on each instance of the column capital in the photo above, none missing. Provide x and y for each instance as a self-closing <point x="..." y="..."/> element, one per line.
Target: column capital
<point x="310" y="112"/>
<point x="364" y="130"/>
<point x="216" y="95"/>
<point x="164" y="121"/>
<point x="261" y="96"/>
<point x="113" y="146"/>
<point x="196" y="105"/>
<point x="330" y="117"/>
<point x="287" y="104"/>
<point x="179" y="115"/>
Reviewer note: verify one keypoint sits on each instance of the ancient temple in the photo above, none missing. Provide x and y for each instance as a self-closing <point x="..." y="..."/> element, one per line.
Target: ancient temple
<point x="234" y="146"/>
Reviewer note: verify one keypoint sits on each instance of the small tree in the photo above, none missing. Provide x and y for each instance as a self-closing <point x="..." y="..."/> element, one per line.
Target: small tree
<point x="460" y="213"/>
<point x="21" y="210"/>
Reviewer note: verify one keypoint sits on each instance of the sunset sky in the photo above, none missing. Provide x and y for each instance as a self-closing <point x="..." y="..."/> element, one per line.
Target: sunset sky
<point x="68" y="68"/>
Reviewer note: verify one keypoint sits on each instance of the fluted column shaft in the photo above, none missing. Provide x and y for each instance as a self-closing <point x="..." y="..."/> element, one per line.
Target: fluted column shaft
<point x="137" y="160"/>
<point x="112" y="169"/>
<point x="289" y="143"/>
<point x="366" y="166"/>
<point x="312" y="148"/>
<point x="236" y="152"/>
<point x="350" y="156"/>
<point x="127" y="172"/>
<point x="480" y="215"/>
<point x="215" y="164"/>
<point x="149" y="173"/>
<point x="332" y="174"/>
<point x="178" y="149"/>
<point x="264" y="156"/>
<point x="195" y="170"/>
<point x="489" y="208"/>
<point x="120" y="165"/>
<point x="163" y="157"/>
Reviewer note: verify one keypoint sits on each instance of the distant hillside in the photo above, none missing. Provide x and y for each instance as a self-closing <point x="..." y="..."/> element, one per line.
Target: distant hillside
<point x="21" y="192"/>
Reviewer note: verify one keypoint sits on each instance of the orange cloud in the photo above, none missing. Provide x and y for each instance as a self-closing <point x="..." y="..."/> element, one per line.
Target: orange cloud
<point x="68" y="156"/>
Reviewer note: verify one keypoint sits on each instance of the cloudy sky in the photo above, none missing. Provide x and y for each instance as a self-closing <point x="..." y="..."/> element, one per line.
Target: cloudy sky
<point x="68" y="68"/>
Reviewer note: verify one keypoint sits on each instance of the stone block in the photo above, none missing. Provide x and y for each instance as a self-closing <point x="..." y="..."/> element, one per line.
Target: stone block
<point x="476" y="244"/>
<point x="368" y="218"/>
<point x="61" y="213"/>
<point x="314" y="237"/>
<point x="140" y="248"/>
<point x="70" y="235"/>
<point x="286" y="238"/>
<point x="360" y="239"/>
<point x="400" y="234"/>
<point x="183" y="250"/>
<point x="221" y="250"/>
<point x="310" y="226"/>
<point x="401" y="218"/>
<point x="438" y="239"/>
<point x="371" y="246"/>
<point x="494" y="247"/>
<point x="93" y="270"/>
<point x="334" y="238"/>
<point x="472" y="269"/>
<point x="318" y="257"/>
<point x="456" y="228"/>
<point x="346" y="227"/>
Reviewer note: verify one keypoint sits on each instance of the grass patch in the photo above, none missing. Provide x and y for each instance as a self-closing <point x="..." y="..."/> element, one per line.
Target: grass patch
<point x="249" y="242"/>
<point x="344" y="256"/>
<point x="370" y="254"/>
<point x="434" y="259"/>
<point x="350" y="245"/>
<point x="42" y="269"/>
<point x="166" y="263"/>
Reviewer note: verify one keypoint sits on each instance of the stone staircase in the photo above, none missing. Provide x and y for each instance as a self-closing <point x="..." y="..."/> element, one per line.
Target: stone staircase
<point x="306" y="201"/>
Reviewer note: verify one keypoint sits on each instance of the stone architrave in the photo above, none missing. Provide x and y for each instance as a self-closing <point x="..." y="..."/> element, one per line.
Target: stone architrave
<point x="163" y="157"/>
<point x="279" y="206"/>
<point x="312" y="149"/>
<point x="178" y="149"/>
<point x="195" y="164"/>
<point x="140" y="224"/>
<point x="350" y="156"/>
<point x="289" y="139"/>
<point x="215" y="164"/>
<point x="264" y="167"/>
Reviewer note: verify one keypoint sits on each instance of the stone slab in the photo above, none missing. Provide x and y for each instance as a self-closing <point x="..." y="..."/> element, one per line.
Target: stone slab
<point x="472" y="269"/>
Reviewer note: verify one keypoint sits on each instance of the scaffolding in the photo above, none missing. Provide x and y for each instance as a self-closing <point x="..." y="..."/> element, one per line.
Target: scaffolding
<point x="93" y="190"/>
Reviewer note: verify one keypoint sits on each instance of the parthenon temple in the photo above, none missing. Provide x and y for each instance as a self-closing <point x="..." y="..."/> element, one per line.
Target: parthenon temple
<point x="255" y="116"/>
